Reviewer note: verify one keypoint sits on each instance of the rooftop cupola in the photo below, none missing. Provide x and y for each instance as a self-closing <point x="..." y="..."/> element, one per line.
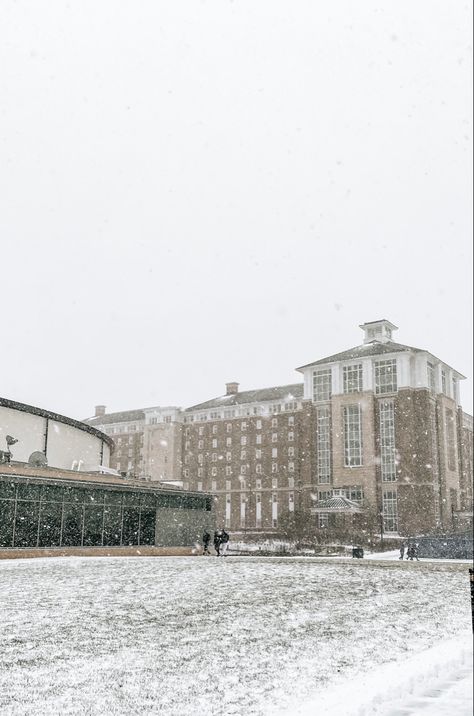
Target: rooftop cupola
<point x="231" y="388"/>
<point x="378" y="331"/>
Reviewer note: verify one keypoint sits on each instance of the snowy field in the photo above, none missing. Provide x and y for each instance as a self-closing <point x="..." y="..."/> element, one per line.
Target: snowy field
<point x="249" y="636"/>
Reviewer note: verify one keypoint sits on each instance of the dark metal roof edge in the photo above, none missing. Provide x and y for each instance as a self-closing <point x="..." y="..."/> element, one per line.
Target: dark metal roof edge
<point x="101" y="485"/>
<point x="57" y="417"/>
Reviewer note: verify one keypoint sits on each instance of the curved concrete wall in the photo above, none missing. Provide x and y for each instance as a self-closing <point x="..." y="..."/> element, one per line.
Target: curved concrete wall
<point x="66" y="445"/>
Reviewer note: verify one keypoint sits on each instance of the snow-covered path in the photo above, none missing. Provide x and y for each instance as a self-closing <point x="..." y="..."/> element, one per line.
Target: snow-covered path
<point x="436" y="682"/>
<point x="237" y="637"/>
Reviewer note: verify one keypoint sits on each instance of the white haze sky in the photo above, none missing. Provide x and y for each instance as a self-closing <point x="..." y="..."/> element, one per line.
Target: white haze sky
<point x="198" y="192"/>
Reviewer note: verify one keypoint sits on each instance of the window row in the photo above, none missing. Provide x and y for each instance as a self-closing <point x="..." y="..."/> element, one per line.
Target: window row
<point x="244" y="470"/>
<point x="385" y="379"/>
<point x="244" y="411"/>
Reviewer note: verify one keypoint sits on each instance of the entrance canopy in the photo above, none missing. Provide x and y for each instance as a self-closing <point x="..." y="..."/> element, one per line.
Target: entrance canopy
<point x="338" y="504"/>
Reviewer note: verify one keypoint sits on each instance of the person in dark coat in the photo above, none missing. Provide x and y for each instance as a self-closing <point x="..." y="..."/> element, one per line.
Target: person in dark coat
<point x="224" y="542"/>
<point x="402" y="551"/>
<point x="217" y="542"/>
<point x="414" y="551"/>
<point x="206" y="538"/>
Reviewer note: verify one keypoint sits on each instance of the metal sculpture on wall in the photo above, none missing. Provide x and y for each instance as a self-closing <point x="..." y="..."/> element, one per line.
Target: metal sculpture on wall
<point x="6" y="455"/>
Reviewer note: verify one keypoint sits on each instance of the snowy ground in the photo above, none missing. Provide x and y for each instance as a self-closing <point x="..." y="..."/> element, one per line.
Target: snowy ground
<point x="244" y="636"/>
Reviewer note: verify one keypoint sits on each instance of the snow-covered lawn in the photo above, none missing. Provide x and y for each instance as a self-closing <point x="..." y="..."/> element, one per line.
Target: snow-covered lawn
<point x="211" y="637"/>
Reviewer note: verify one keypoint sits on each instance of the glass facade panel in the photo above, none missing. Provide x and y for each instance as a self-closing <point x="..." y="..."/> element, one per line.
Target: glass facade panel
<point x="130" y="525"/>
<point x="7" y="514"/>
<point x="26" y="524"/>
<point x="93" y="497"/>
<point x="50" y="524"/>
<point x="147" y="526"/>
<point x="73" y="519"/>
<point x="147" y="501"/>
<point x="112" y="525"/>
<point x="7" y="490"/>
<point x="93" y="525"/>
<point x="113" y="498"/>
<point x="28" y="492"/>
<point x="50" y="493"/>
<point x="73" y="494"/>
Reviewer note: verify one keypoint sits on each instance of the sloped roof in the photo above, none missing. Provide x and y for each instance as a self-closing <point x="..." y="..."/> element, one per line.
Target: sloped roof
<point x="338" y="503"/>
<point x="125" y="416"/>
<point x="373" y="348"/>
<point x="279" y="392"/>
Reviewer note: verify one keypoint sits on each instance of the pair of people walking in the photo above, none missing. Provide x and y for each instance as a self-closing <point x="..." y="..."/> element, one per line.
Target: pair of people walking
<point x="221" y="542"/>
<point x="412" y="552"/>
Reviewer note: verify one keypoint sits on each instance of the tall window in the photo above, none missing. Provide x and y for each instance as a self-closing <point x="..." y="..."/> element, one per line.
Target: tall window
<point x="352" y="375"/>
<point x="387" y="441"/>
<point x="443" y="381"/>
<point x="385" y="376"/>
<point x="450" y="439"/>
<point x="390" y="511"/>
<point x="227" y="510"/>
<point x="258" y="510"/>
<point x="243" y="509"/>
<point x="352" y="436"/>
<point x="324" y="444"/>
<point x="430" y="369"/>
<point x="274" y="509"/>
<point x="322" y="384"/>
<point x="323" y="520"/>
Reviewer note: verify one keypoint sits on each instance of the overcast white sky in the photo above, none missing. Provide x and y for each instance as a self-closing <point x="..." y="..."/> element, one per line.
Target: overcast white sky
<point x="197" y="192"/>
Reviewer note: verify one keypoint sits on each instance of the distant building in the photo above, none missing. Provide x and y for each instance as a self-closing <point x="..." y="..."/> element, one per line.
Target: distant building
<point x="248" y="448"/>
<point x="147" y="441"/>
<point x="380" y="423"/>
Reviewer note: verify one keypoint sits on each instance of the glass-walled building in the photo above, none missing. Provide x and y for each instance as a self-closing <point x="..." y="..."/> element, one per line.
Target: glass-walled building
<point x="60" y="509"/>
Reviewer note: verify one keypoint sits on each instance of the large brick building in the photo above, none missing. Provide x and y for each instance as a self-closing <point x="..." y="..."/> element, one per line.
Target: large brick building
<point x="380" y="423"/>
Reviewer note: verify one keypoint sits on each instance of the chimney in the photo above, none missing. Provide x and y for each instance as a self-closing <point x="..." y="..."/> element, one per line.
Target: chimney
<point x="99" y="411"/>
<point x="231" y="388"/>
